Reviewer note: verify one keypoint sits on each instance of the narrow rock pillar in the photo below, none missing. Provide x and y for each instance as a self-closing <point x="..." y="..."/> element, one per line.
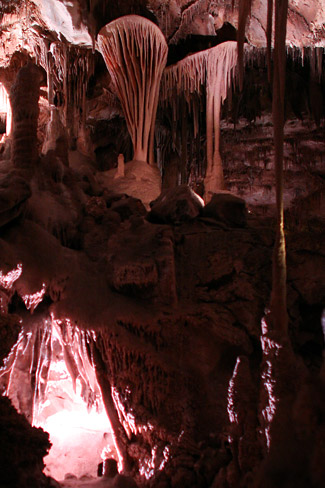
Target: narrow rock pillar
<point x="24" y="97"/>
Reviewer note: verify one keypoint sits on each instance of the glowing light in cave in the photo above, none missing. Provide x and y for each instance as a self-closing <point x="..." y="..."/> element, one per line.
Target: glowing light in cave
<point x="8" y="279"/>
<point x="323" y="323"/>
<point x="270" y="350"/>
<point x="80" y="434"/>
<point x="147" y="469"/>
<point x="166" y="454"/>
<point x="5" y="108"/>
<point x="232" y="414"/>
<point x="31" y="301"/>
<point x="6" y="283"/>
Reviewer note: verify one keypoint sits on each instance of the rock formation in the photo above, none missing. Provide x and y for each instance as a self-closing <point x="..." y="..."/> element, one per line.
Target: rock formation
<point x="135" y="54"/>
<point x="199" y="326"/>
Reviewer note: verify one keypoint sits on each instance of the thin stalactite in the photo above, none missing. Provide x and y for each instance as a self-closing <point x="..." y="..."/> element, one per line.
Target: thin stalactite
<point x="269" y="27"/>
<point x="278" y="296"/>
<point x="244" y="10"/>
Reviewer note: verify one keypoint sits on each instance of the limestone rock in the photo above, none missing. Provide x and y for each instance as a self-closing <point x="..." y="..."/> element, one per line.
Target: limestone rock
<point x="9" y="330"/>
<point x="140" y="180"/>
<point x="14" y="191"/>
<point x="141" y="261"/>
<point x="128" y="206"/>
<point x="96" y="207"/>
<point x="178" y="204"/>
<point x="22" y="449"/>
<point x="227" y="208"/>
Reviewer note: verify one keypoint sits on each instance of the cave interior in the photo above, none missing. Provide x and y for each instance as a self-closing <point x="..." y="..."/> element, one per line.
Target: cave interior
<point x="162" y="244"/>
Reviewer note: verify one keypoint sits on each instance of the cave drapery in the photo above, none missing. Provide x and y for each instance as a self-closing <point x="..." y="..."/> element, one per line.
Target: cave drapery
<point x="205" y="346"/>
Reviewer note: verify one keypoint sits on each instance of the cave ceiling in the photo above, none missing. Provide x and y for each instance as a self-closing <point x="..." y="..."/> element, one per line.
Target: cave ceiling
<point x="78" y="21"/>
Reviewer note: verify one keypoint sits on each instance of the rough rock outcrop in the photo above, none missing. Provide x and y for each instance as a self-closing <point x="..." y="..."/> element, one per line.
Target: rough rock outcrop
<point x="22" y="449"/>
<point x="226" y="208"/>
<point x="24" y="97"/>
<point x="14" y="192"/>
<point x="175" y="205"/>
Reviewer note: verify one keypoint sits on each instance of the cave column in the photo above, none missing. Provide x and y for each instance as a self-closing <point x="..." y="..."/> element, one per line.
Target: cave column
<point x="119" y="434"/>
<point x="213" y="180"/>
<point x="24" y="96"/>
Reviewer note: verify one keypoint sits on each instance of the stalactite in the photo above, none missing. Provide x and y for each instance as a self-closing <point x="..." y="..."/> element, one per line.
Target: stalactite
<point x="278" y="297"/>
<point x="9" y="362"/>
<point x="135" y="53"/>
<point x="213" y="68"/>
<point x="42" y="352"/>
<point x="243" y="14"/>
<point x="24" y="348"/>
<point x="269" y="28"/>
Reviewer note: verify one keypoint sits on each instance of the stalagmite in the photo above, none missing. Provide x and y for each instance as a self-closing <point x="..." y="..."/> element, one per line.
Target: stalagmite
<point x="120" y="166"/>
<point x="214" y="68"/>
<point x="135" y="53"/>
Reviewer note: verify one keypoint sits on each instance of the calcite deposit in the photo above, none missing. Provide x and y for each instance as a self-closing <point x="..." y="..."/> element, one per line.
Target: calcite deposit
<point x="162" y="243"/>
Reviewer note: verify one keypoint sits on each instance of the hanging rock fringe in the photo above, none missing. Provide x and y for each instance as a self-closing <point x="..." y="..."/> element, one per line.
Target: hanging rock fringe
<point x="194" y="72"/>
<point x="212" y="69"/>
<point x="135" y="53"/>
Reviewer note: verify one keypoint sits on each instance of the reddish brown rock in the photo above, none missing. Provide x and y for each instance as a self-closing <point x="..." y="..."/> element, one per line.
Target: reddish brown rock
<point x="178" y="204"/>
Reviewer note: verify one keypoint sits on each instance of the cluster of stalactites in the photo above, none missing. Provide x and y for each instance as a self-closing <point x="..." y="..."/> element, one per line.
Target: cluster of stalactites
<point x="35" y="347"/>
<point x="68" y="69"/>
<point x="190" y="75"/>
<point x="315" y="56"/>
<point x="80" y="67"/>
<point x="135" y="53"/>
